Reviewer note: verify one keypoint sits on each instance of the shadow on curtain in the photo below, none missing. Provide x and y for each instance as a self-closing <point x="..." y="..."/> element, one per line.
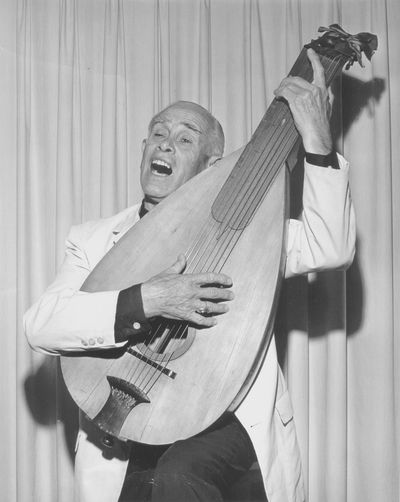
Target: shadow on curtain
<point x="81" y="79"/>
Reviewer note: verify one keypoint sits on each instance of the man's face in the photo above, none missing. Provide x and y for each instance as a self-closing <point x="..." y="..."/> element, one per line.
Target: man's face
<point x="174" y="152"/>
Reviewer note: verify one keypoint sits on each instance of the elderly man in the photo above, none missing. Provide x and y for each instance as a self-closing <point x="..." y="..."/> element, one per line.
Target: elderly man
<point x="184" y="139"/>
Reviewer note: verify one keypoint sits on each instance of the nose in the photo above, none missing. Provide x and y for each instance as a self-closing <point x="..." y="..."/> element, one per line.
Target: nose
<point x="166" y="145"/>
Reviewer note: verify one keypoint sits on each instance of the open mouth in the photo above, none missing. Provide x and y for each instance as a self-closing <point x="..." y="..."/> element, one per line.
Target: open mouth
<point x="160" y="168"/>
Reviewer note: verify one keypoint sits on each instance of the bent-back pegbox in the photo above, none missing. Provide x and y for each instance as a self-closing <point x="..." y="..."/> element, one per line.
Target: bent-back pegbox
<point x="230" y="218"/>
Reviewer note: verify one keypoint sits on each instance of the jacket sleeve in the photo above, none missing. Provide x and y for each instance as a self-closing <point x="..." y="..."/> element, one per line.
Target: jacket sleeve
<point x="65" y="319"/>
<point x="324" y="237"/>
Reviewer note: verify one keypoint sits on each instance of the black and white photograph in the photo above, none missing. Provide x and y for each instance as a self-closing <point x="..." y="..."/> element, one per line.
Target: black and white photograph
<point x="200" y="262"/>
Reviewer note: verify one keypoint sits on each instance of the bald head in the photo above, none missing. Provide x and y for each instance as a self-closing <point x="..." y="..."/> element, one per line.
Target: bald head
<point x="215" y="141"/>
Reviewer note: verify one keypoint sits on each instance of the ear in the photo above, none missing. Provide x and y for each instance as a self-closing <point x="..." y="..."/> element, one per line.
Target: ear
<point x="144" y="144"/>
<point x="212" y="160"/>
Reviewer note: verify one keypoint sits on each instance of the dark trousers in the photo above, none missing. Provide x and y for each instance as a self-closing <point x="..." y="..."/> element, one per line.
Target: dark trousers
<point x="201" y="468"/>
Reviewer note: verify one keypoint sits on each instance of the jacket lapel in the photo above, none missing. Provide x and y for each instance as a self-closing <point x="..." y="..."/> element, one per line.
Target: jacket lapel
<point x="126" y="224"/>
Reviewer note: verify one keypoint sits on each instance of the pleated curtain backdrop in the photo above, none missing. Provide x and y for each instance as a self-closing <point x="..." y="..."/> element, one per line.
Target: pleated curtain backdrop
<point x="80" y="81"/>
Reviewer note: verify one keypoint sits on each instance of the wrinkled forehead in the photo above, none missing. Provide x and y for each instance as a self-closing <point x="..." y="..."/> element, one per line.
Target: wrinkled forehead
<point x="186" y="114"/>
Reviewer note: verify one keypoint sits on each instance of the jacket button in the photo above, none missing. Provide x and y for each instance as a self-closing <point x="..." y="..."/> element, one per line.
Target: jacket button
<point x="136" y="325"/>
<point x="84" y="342"/>
<point x="92" y="342"/>
<point x="100" y="340"/>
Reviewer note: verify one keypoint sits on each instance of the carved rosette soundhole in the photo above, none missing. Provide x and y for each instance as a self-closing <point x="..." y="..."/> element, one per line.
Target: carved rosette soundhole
<point x="123" y="397"/>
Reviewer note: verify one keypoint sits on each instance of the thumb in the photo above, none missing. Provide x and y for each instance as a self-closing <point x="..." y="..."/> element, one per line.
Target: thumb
<point x="318" y="69"/>
<point x="178" y="267"/>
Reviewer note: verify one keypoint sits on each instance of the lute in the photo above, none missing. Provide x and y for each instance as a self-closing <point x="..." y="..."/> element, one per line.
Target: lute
<point x="231" y="218"/>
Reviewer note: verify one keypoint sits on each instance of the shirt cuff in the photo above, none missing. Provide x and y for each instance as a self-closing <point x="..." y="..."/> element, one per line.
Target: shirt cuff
<point x="129" y="317"/>
<point x="330" y="160"/>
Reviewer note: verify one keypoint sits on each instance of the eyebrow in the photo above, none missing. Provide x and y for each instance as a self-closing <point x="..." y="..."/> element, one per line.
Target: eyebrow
<point x="192" y="127"/>
<point x="189" y="125"/>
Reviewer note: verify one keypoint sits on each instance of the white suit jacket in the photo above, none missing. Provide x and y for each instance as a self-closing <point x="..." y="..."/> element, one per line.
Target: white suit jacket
<point x="66" y="319"/>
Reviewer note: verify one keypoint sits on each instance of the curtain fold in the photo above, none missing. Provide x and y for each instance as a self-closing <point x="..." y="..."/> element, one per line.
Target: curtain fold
<point x="80" y="81"/>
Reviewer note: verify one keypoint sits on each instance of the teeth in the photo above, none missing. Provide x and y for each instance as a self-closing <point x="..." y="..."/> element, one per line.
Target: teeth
<point x="165" y="168"/>
<point x="161" y="163"/>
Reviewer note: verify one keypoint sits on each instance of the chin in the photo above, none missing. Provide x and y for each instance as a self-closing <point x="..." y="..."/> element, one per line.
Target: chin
<point x="155" y="197"/>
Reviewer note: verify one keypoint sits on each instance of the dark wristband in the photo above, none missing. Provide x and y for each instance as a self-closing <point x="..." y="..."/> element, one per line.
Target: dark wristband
<point x="329" y="160"/>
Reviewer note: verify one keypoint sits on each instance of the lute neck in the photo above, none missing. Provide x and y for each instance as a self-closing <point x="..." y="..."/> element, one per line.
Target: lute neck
<point x="266" y="153"/>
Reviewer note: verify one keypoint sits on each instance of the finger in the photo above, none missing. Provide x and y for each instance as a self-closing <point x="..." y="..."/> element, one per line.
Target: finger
<point x="210" y="308"/>
<point x="212" y="278"/>
<point x="318" y="69"/>
<point x="292" y="87"/>
<point x="301" y="100"/>
<point x="217" y="294"/>
<point x="178" y="267"/>
<point x="203" y="321"/>
<point x="331" y="100"/>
